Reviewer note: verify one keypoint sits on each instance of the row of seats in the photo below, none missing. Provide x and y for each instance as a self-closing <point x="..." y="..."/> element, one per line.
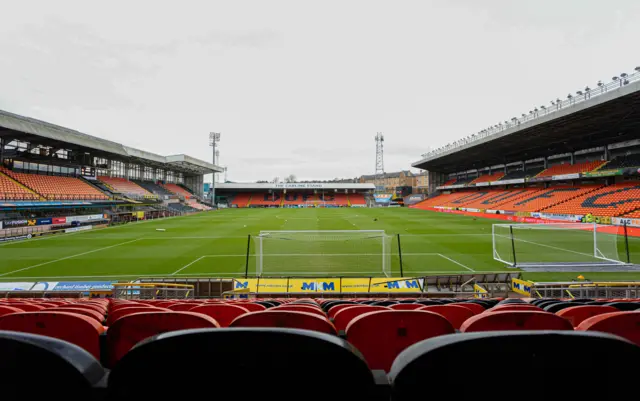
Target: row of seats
<point x="291" y="364"/>
<point x="124" y="186"/>
<point x="568" y="168"/>
<point x="296" y="198"/>
<point x="197" y="205"/>
<point x="622" y="162"/>
<point x="152" y="187"/>
<point x="10" y="190"/>
<point x="55" y="187"/>
<point x="614" y="200"/>
<point x="488" y="178"/>
<point x="178" y="190"/>
<point x="379" y="329"/>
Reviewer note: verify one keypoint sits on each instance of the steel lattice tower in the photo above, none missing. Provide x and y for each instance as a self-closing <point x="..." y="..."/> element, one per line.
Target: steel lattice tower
<point x="379" y="160"/>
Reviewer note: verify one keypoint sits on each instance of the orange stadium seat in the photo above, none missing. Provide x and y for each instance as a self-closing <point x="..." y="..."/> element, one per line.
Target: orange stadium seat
<point x="623" y="324"/>
<point x="488" y="178"/>
<point x="10" y="190"/>
<point x="241" y="200"/>
<point x="357" y="199"/>
<point x="566" y="168"/>
<point x="614" y="200"/>
<point x="178" y="190"/>
<point x="57" y="188"/>
<point x="124" y="186"/>
<point x="266" y="199"/>
<point x="577" y="314"/>
<point x="223" y="314"/>
<point x="539" y="200"/>
<point x="455" y="314"/>
<point x="290" y="319"/>
<point x="515" y="320"/>
<point x="450" y="182"/>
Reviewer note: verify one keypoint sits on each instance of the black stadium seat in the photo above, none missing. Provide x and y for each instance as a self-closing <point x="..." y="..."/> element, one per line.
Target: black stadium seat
<point x="594" y="366"/>
<point x="33" y="366"/>
<point x="624" y="306"/>
<point x="248" y="363"/>
<point x="553" y="308"/>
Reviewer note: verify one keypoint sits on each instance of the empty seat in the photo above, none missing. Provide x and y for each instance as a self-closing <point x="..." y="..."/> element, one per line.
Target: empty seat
<point x="342" y="319"/>
<point x="34" y="365"/>
<point x="558" y="306"/>
<point x="183" y="307"/>
<point x="117" y="314"/>
<point x="287" y="319"/>
<point x="128" y="330"/>
<point x="223" y="314"/>
<point x="5" y="310"/>
<point x="251" y="306"/>
<point x="77" y="329"/>
<point x="382" y="335"/>
<point x="623" y="324"/>
<point x="625" y="306"/>
<point x="576" y="314"/>
<point x="285" y="364"/>
<point x="515" y="320"/>
<point x="334" y="309"/>
<point x="426" y="367"/>
<point x="301" y="308"/>
<point x="513" y="306"/>
<point x="403" y="306"/>
<point x="81" y="311"/>
<point x="473" y="307"/>
<point x="455" y="314"/>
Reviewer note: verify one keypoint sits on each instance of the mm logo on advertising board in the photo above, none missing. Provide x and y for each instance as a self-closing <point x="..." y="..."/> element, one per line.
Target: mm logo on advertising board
<point x="399" y="285"/>
<point x="522" y="287"/>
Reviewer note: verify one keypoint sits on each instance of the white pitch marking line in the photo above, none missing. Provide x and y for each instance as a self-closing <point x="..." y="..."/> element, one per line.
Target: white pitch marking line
<point x="69" y="257"/>
<point x="456" y="262"/>
<point x="187" y="265"/>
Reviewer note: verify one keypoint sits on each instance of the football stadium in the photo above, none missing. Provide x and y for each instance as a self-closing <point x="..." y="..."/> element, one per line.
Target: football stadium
<point x="127" y="274"/>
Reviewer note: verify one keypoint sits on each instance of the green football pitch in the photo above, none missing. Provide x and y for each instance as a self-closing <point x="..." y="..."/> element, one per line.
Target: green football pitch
<point x="214" y="244"/>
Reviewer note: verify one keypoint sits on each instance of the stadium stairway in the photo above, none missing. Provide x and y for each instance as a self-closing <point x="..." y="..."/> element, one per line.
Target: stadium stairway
<point x="372" y="346"/>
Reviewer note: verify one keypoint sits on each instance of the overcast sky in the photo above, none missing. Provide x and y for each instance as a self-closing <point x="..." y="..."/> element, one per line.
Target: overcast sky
<point x="301" y="87"/>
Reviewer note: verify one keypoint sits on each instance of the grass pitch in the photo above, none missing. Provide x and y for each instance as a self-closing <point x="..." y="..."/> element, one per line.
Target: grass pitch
<point x="214" y="244"/>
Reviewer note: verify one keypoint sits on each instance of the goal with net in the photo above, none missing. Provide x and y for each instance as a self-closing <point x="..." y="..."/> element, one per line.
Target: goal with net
<point x="323" y="253"/>
<point x="559" y="244"/>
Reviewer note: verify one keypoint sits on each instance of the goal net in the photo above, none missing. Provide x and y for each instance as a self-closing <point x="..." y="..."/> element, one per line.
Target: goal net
<point x="323" y="253"/>
<point x="557" y="245"/>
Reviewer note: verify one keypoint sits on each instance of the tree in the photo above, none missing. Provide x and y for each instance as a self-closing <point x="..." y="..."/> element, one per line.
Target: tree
<point x="276" y="180"/>
<point x="290" y="178"/>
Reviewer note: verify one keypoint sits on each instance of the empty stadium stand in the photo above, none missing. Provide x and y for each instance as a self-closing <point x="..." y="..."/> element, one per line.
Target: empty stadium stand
<point x="56" y="187"/>
<point x="241" y="200"/>
<point x="488" y="178"/>
<point x="626" y="161"/>
<point x="538" y="199"/>
<point x="357" y="199"/>
<point x="178" y="190"/>
<point x="124" y="186"/>
<point x="567" y="168"/>
<point x="614" y="200"/>
<point x="150" y="341"/>
<point x="529" y="172"/>
<point x="153" y="187"/>
<point x="12" y="190"/>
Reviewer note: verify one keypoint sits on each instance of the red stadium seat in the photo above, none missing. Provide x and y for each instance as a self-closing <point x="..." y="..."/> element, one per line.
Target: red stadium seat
<point x="507" y="307"/>
<point x="77" y="329"/>
<point x="337" y="308"/>
<point x="623" y="324"/>
<point x="342" y="319"/>
<point x="251" y="306"/>
<point x="28" y="307"/>
<point x="382" y="335"/>
<point x="577" y="314"/>
<point x="289" y="319"/>
<point x="223" y="314"/>
<point x="406" y="306"/>
<point x="183" y="306"/>
<point x="80" y="311"/>
<point x="102" y="309"/>
<point x="455" y="314"/>
<point x="129" y="330"/>
<point x="301" y="308"/>
<point x="5" y="310"/>
<point x="475" y="308"/>
<point x="116" y="307"/>
<point x="113" y="316"/>
<point x="515" y="320"/>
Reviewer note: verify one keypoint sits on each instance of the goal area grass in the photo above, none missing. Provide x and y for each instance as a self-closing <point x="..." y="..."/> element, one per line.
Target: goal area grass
<point x="214" y="244"/>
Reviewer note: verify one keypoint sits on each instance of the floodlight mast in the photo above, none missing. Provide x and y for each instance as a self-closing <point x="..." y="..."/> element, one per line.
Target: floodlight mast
<point x="214" y="138"/>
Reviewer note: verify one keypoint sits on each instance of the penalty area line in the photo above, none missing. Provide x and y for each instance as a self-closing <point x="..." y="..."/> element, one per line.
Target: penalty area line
<point x="456" y="262"/>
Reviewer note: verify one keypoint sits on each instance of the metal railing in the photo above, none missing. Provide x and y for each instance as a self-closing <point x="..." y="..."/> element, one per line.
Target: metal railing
<point x="556" y="106"/>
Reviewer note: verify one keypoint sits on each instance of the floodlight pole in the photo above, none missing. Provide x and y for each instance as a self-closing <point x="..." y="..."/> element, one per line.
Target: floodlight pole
<point x="214" y="138"/>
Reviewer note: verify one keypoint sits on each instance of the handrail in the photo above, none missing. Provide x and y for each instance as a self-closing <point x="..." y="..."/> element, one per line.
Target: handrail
<point x="556" y="106"/>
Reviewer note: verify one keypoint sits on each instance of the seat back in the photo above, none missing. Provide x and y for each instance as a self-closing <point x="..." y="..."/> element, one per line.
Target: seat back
<point x="128" y="330"/>
<point x="292" y="365"/>
<point x="77" y="329"/>
<point x="251" y="306"/>
<point x="343" y="317"/>
<point x="434" y="360"/>
<point x="515" y="320"/>
<point x="34" y="365"/>
<point x="5" y="310"/>
<point x="182" y="307"/>
<point x="403" y="306"/>
<point x="117" y="314"/>
<point x="455" y="314"/>
<point x="576" y="314"/>
<point x="287" y="319"/>
<point x="513" y="306"/>
<point x="221" y="313"/>
<point x="473" y="307"/>
<point x="333" y="310"/>
<point x="625" y="306"/>
<point x="382" y="335"/>
<point x="623" y="324"/>
<point x="302" y="308"/>
<point x="80" y="311"/>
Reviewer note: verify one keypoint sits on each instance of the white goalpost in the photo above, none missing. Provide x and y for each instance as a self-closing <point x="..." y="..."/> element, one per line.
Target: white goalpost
<point x="559" y="245"/>
<point x="323" y="253"/>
